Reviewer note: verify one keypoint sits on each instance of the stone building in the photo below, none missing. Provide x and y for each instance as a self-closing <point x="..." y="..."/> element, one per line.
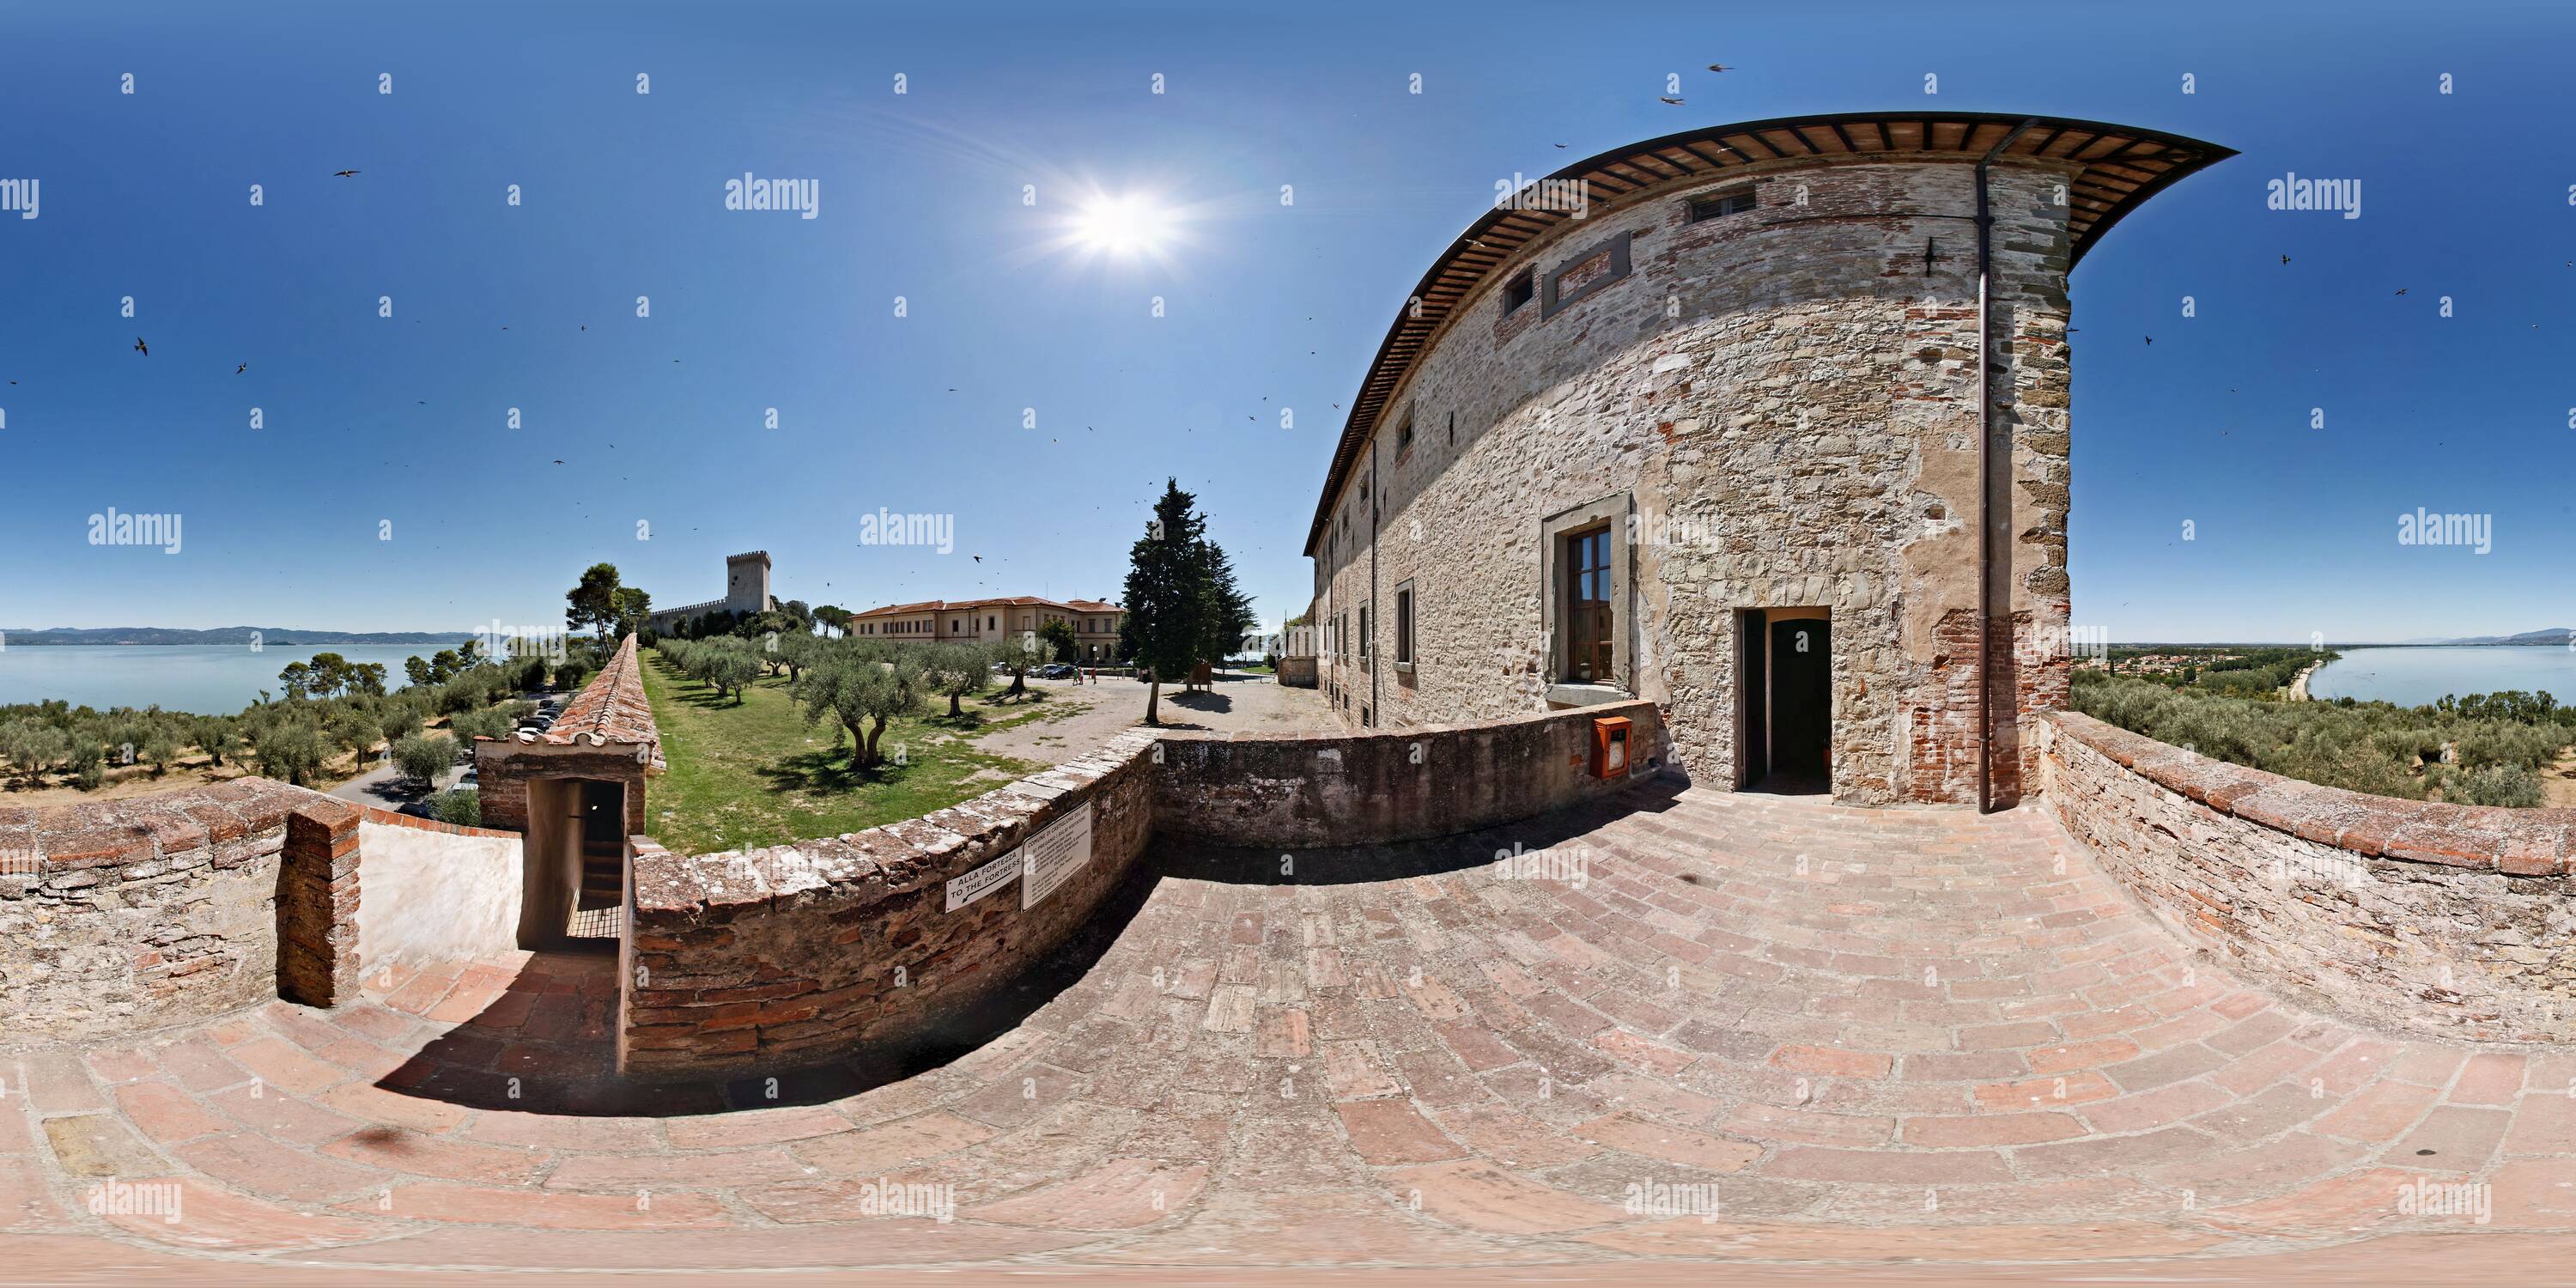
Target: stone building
<point x="575" y="791"/>
<point x="1697" y="421"/>
<point x="746" y="593"/>
<point x="941" y="621"/>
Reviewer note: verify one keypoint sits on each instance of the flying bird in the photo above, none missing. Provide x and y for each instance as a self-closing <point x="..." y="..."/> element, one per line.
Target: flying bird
<point x="1667" y="98"/>
<point x="2285" y="259"/>
<point x="236" y="371"/>
<point x="2151" y="339"/>
<point x="2401" y="290"/>
<point x="559" y="461"/>
<point x="1719" y="67"/>
<point x="342" y="174"/>
<point x="979" y="558"/>
<point x="138" y="347"/>
<point x="1559" y="145"/>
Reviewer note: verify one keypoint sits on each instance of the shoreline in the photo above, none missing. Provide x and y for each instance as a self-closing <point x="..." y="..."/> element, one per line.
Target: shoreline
<point x="2299" y="683"/>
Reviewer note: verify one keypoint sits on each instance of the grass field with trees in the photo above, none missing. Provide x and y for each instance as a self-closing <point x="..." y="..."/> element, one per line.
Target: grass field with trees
<point x="2486" y="749"/>
<point x="847" y="735"/>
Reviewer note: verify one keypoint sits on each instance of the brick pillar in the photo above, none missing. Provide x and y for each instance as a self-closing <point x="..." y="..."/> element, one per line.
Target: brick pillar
<point x="317" y="905"/>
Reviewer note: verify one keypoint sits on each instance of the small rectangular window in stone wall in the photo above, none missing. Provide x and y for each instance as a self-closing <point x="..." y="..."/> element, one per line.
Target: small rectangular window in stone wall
<point x="1404" y="627"/>
<point x="1588" y="272"/>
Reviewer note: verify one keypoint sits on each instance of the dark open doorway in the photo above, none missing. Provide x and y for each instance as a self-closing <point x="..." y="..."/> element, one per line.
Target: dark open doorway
<point x="1785" y="672"/>
<point x="575" y="848"/>
<point x="603" y="861"/>
<point x="1801" y="704"/>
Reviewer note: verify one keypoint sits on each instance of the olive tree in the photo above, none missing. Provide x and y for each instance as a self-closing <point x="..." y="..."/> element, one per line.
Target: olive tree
<point x="863" y="686"/>
<point x="424" y="759"/>
<point x="291" y="749"/>
<point x="958" y="671"/>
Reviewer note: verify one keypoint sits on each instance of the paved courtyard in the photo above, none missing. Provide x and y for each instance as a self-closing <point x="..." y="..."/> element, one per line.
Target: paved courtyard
<point x="1697" y="1027"/>
<point x="1234" y="704"/>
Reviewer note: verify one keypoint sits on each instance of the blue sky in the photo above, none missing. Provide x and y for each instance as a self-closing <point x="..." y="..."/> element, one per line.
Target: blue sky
<point x="370" y="421"/>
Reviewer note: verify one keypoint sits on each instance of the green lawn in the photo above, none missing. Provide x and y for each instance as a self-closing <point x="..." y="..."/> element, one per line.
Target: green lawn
<point x="755" y="774"/>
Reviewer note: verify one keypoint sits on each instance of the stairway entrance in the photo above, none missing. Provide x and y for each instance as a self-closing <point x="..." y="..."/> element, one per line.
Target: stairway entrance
<point x="575" y="849"/>
<point x="1785" y="701"/>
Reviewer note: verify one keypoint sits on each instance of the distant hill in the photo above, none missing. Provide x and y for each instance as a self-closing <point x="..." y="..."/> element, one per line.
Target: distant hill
<point x="267" y="635"/>
<point x="2554" y="635"/>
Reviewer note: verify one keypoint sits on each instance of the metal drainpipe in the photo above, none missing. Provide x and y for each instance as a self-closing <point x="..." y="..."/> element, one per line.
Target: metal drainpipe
<point x="1985" y="486"/>
<point x="1376" y="663"/>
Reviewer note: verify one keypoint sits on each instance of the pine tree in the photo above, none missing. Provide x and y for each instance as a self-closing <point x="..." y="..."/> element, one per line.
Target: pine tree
<point x="1167" y="595"/>
<point x="1229" y="611"/>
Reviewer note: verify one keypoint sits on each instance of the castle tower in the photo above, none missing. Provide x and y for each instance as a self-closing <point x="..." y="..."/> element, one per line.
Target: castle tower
<point x="747" y="582"/>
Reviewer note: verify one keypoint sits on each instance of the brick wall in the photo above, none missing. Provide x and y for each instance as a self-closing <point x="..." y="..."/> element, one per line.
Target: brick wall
<point x="504" y="768"/>
<point x="123" y="915"/>
<point x="794" y="955"/>
<point x="317" y="905"/>
<point x="605" y="732"/>
<point x="1387" y="785"/>
<point x="2447" y="920"/>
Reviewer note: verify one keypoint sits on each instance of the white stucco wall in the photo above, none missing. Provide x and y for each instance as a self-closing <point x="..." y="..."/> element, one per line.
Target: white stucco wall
<point x="430" y="897"/>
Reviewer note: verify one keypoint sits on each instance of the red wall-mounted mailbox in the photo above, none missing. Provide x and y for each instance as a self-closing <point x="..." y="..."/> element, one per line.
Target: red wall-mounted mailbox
<point x="1610" y="747"/>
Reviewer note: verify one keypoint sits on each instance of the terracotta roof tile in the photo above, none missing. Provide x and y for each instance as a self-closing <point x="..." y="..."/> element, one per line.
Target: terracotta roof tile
<point x="1015" y="601"/>
<point x="610" y="709"/>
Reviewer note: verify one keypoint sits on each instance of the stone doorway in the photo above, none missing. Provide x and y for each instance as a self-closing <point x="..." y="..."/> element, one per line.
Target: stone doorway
<point x="576" y="861"/>
<point x="1784" y="686"/>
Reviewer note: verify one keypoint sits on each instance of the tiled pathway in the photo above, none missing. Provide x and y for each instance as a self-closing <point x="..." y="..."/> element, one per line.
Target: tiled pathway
<point x="1856" y="1035"/>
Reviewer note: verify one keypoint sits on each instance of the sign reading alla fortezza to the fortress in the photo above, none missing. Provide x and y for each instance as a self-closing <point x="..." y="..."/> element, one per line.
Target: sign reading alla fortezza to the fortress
<point x="982" y="881"/>
<point x="1046" y="859"/>
<point x="1054" y="854"/>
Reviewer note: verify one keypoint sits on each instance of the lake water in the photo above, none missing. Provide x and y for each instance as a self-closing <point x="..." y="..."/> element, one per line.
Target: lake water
<point x="2412" y="677"/>
<point x="201" y="679"/>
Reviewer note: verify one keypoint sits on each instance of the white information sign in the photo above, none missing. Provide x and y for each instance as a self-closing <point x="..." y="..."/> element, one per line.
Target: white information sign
<point x="1054" y="854"/>
<point x="982" y="881"/>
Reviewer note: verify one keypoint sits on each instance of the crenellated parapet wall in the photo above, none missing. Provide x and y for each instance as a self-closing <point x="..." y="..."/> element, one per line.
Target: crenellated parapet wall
<point x="2453" y="921"/>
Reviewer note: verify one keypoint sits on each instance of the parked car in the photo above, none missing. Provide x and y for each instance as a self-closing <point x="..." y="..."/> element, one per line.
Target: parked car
<point x="1056" y="671"/>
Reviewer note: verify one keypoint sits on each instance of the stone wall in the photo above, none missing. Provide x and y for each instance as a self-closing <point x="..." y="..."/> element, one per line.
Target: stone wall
<point x="122" y="915"/>
<point x="1780" y="407"/>
<point x="794" y="955"/>
<point x="1372" y="788"/>
<point x="1297" y="672"/>
<point x="2447" y="920"/>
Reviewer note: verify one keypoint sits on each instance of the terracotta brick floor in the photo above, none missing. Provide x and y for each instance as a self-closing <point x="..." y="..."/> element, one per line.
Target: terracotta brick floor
<point x="1858" y="1036"/>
